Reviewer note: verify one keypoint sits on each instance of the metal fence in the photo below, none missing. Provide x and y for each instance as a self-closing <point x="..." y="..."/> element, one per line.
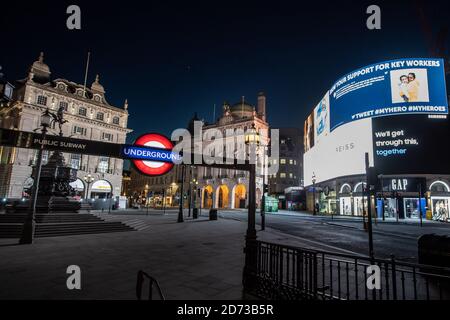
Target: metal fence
<point x="285" y="272"/>
<point x="141" y="276"/>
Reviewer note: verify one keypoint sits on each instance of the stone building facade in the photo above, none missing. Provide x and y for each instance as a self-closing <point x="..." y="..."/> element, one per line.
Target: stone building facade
<point x="89" y="117"/>
<point x="228" y="188"/>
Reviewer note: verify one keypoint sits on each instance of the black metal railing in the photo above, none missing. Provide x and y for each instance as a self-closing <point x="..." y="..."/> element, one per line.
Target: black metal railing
<point x="285" y="272"/>
<point x="141" y="275"/>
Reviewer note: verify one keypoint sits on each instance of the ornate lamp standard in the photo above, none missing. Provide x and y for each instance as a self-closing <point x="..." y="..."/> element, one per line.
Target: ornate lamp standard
<point x="263" y="199"/>
<point x="88" y="179"/>
<point x="180" y="209"/>
<point x="249" y="278"/>
<point x="146" y="197"/>
<point x="30" y="223"/>
<point x="314" y="193"/>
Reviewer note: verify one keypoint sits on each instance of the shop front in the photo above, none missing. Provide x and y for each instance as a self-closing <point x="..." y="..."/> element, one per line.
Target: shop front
<point x="439" y="200"/>
<point x="403" y="198"/>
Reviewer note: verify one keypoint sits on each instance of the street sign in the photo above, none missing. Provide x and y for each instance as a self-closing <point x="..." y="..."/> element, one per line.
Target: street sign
<point x="151" y="153"/>
<point x="154" y="160"/>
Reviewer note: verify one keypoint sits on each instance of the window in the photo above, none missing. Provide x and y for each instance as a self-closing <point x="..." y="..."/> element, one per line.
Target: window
<point x="295" y="162"/>
<point x="103" y="164"/>
<point x="291" y="161"/>
<point x="107" y="136"/>
<point x="291" y="175"/>
<point x="75" y="161"/>
<point x="100" y="116"/>
<point x="282" y="175"/>
<point x="282" y="161"/>
<point x="64" y="105"/>
<point x="82" y="111"/>
<point x="42" y="100"/>
<point x="116" y="120"/>
<point x="79" y="130"/>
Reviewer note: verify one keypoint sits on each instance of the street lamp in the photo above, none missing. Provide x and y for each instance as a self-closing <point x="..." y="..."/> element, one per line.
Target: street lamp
<point x="252" y="141"/>
<point x="30" y="223"/>
<point x="88" y="179"/>
<point x="180" y="210"/>
<point x="263" y="198"/>
<point x="146" y="198"/>
<point x="314" y="193"/>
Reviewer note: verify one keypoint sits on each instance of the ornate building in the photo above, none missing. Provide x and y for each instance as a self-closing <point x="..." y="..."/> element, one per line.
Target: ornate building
<point x="89" y="117"/>
<point x="226" y="188"/>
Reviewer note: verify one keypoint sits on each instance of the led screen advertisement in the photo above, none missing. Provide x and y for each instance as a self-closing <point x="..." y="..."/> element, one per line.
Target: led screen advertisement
<point x="411" y="144"/>
<point x="340" y="153"/>
<point x="395" y="110"/>
<point x="406" y="86"/>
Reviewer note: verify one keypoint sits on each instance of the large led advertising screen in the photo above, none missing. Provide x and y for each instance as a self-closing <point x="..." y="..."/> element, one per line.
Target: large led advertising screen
<point x="411" y="144"/>
<point x="340" y="153"/>
<point x="392" y="87"/>
<point x="395" y="110"/>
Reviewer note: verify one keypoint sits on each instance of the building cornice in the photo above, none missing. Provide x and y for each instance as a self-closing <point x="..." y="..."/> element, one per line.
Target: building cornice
<point x="74" y="96"/>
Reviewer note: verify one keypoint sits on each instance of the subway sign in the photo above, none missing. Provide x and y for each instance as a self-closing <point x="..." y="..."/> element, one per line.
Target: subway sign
<point x="151" y="153"/>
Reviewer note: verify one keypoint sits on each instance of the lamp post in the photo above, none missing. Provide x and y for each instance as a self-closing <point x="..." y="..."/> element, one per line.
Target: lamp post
<point x="30" y="222"/>
<point x="190" y="191"/>
<point x="314" y="193"/>
<point x="146" y="199"/>
<point x="88" y="179"/>
<point x="249" y="279"/>
<point x="180" y="210"/>
<point x="263" y="199"/>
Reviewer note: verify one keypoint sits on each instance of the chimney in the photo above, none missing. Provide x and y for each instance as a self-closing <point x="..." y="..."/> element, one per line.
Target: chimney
<point x="262" y="105"/>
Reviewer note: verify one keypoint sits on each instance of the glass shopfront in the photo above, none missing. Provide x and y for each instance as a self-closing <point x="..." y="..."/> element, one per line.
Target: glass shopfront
<point x="360" y="205"/>
<point x="412" y="207"/>
<point x="345" y="206"/>
<point x="388" y="206"/>
<point x="440" y="208"/>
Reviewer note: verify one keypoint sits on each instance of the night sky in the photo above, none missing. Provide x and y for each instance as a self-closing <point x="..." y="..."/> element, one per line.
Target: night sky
<point x="171" y="59"/>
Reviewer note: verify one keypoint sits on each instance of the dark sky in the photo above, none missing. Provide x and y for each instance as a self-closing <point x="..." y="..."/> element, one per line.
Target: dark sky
<point x="173" y="58"/>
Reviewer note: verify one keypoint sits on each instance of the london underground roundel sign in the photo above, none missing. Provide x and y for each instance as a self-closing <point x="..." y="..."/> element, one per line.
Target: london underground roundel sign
<point x="151" y="154"/>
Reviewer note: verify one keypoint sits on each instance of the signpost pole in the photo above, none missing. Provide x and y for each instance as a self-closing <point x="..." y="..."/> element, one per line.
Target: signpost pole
<point x="180" y="211"/>
<point x="369" y="206"/>
<point x="420" y="203"/>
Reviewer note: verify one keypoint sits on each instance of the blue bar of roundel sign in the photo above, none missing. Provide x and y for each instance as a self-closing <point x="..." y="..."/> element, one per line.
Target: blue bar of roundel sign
<point x="149" y="154"/>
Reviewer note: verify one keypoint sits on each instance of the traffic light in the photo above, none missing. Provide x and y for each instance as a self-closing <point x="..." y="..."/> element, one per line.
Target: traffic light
<point x="266" y="188"/>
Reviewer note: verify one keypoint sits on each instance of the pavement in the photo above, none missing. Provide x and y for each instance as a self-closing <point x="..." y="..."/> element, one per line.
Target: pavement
<point x="348" y="234"/>
<point x="197" y="259"/>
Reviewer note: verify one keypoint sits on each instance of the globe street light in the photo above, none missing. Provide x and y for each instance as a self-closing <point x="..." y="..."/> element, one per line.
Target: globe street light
<point x="252" y="141"/>
<point x="30" y="222"/>
<point x="88" y="179"/>
<point x="146" y="198"/>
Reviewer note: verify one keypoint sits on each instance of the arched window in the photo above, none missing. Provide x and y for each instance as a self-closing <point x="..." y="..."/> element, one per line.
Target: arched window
<point x="439" y="186"/>
<point x="345" y="188"/>
<point x="359" y="187"/>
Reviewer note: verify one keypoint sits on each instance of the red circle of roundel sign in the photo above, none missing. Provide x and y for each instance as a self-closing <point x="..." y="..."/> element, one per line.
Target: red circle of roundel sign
<point x="153" y="168"/>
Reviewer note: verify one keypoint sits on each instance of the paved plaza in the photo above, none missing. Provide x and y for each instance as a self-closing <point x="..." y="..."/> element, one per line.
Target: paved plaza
<point x="197" y="259"/>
